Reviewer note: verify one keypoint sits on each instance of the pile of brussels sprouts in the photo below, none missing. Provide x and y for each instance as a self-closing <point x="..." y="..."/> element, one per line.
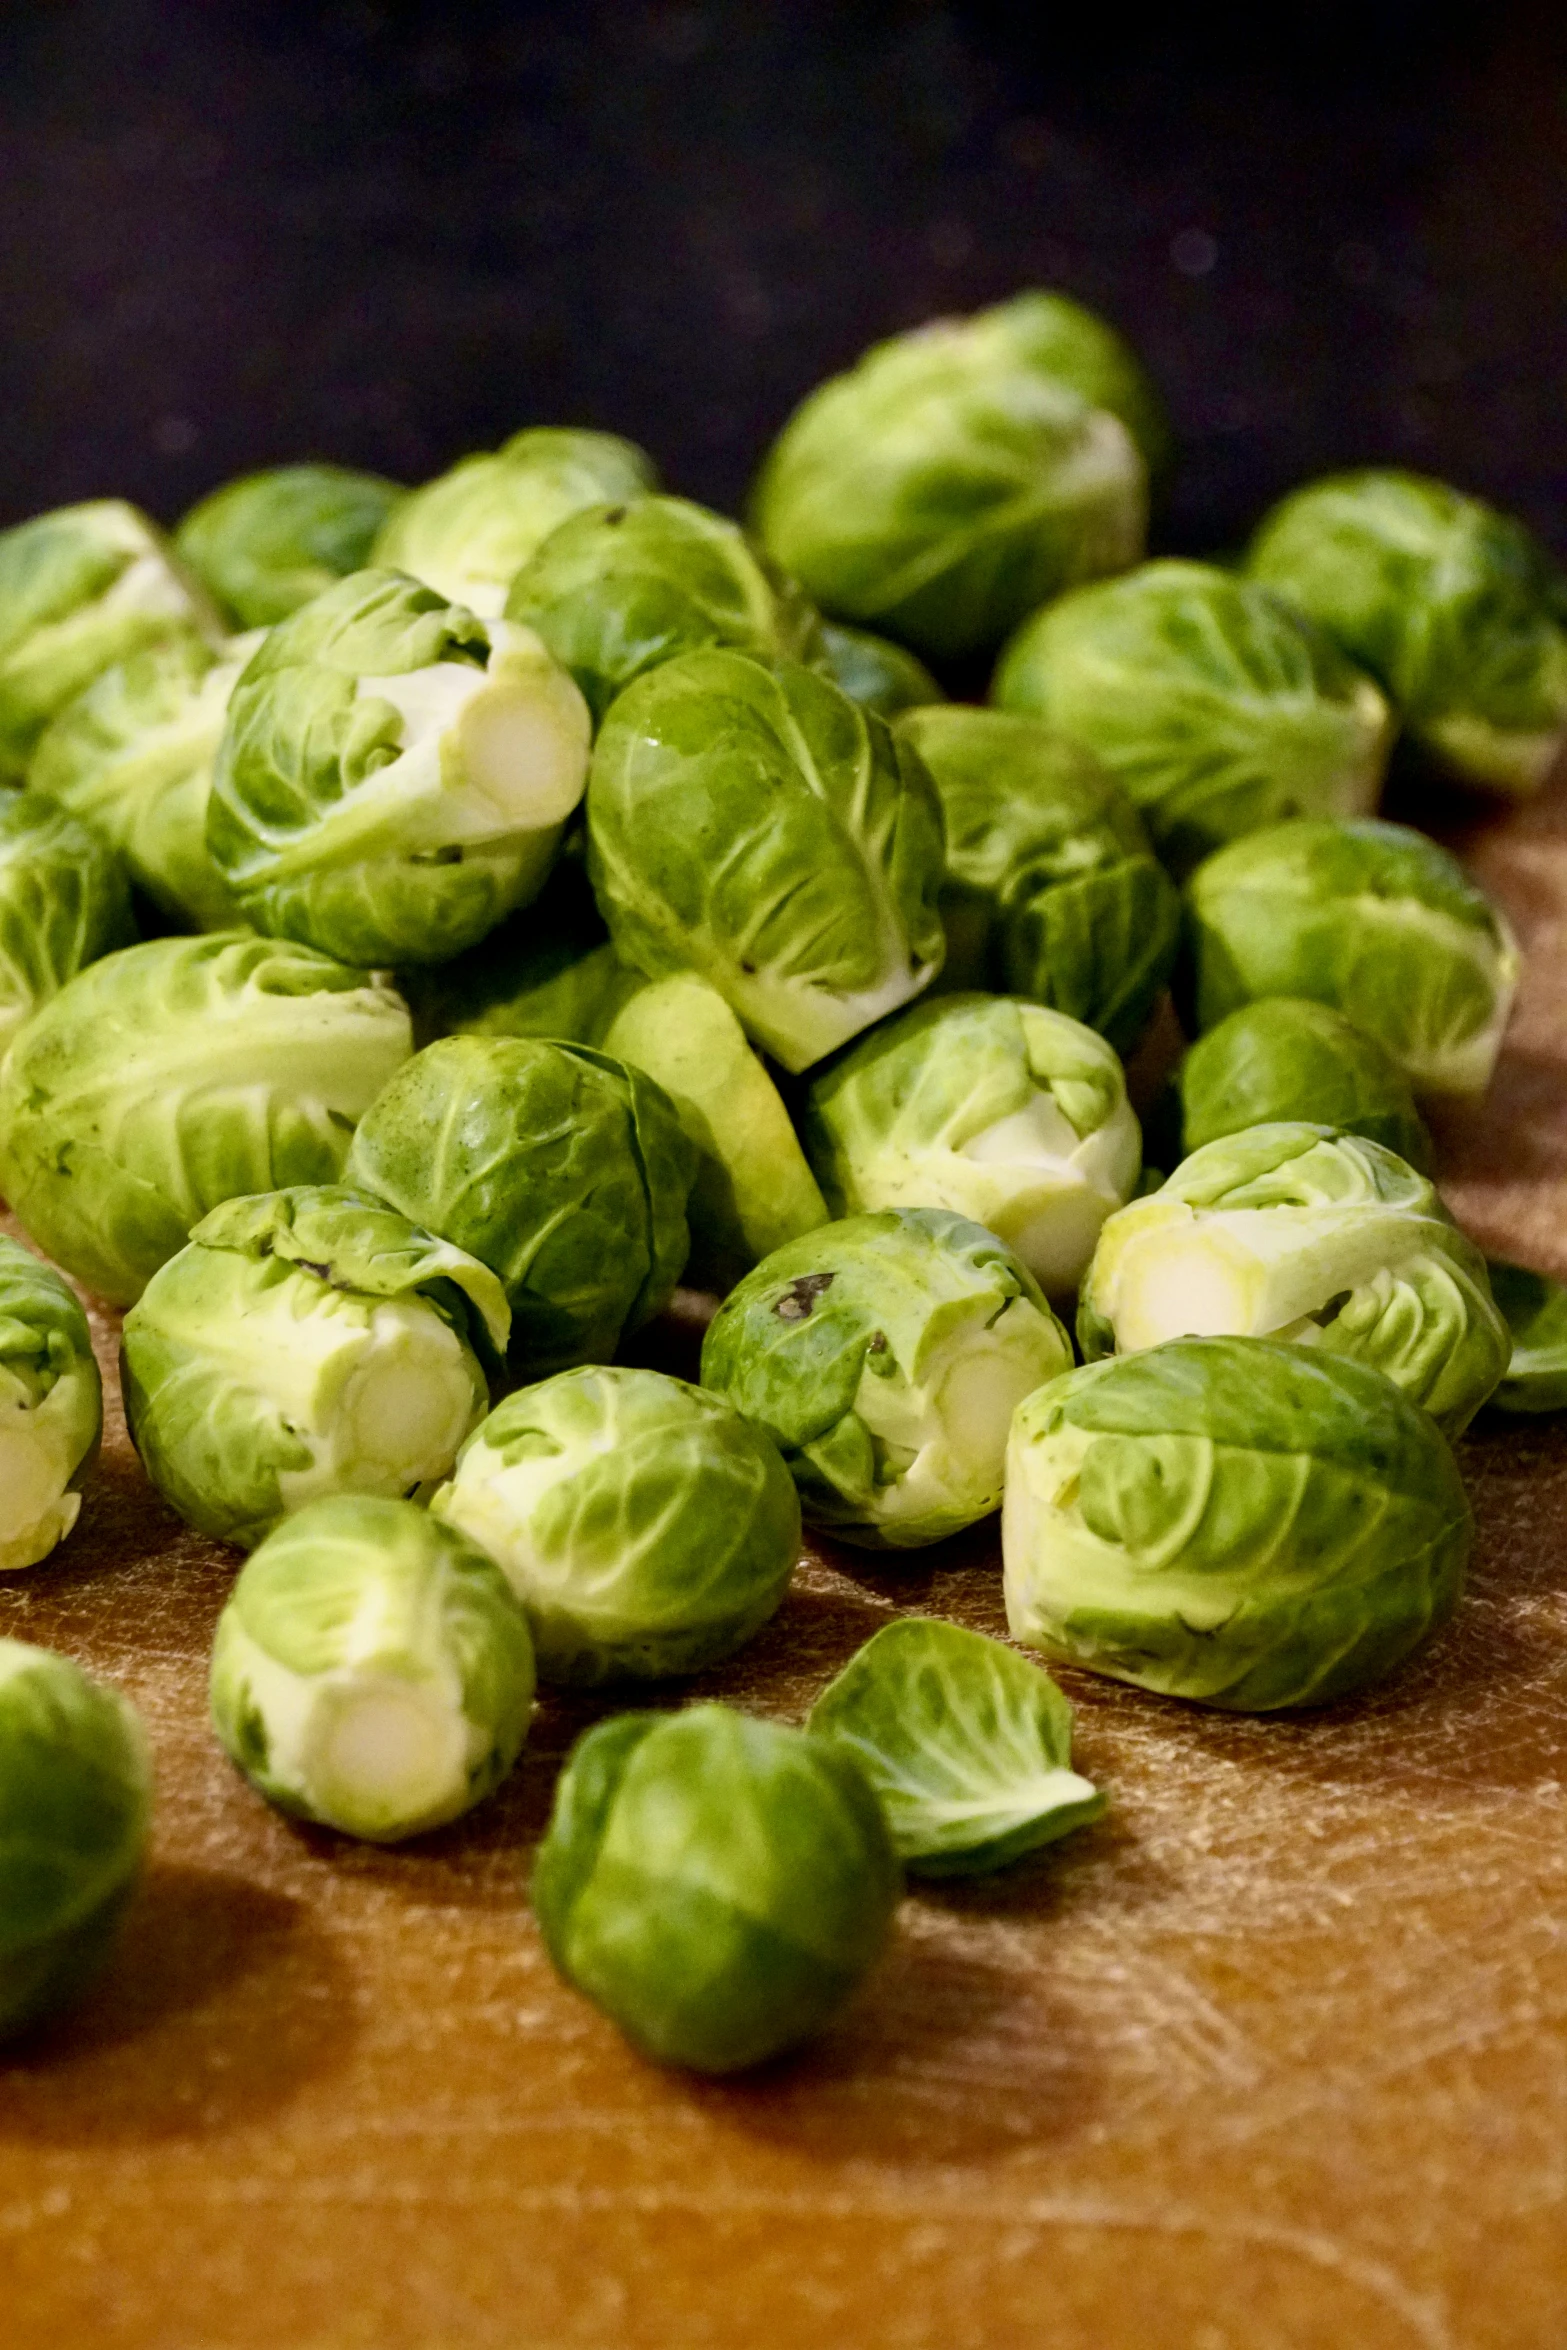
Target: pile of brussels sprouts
<point x="433" y="925"/>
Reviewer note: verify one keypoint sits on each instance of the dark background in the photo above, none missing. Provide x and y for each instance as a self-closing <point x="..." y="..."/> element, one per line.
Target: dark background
<point x="232" y="235"/>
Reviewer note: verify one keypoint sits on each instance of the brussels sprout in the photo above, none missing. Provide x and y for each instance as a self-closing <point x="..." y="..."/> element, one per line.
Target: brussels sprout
<point x="755" y="825"/>
<point x="718" y="1886"/>
<point x="968" y="1747"/>
<point x="394" y="775"/>
<point x="371" y="1670"/>
<point x="1057" y="337"/>
<point x="469" y="532"/>
<point x="267" y="543"/>
<point x="132" y="757"/>
<point x="619" y="590"/>
<point x="51" y="1407"/>
<point x="563" y="1171"/>
<point x="1453" y="608"/>
<point x="1294" y="1232"/>
<point x="75" y="1807"/>
<point x="875" y="672"/>
<point x="1002" y="1111"/>
<point x="646" y="1528"/>
<point x="1371" y="918"/>
<point x="79" y="589"/>
<point x="1229" y="1520"/>
<point x="63" y="904"/>
<point x="172" y="1076"/>
<point x="945" y="486"/>
<point x="884" y="1355"/>
<point x="547" y="970"/>
<point x="1535" y="1311"/>
<point x="1052" y="888"/>
<point x="1284" y="1060"/>
<point x="1212" y="705"/>
<point x="306" y="1342"/>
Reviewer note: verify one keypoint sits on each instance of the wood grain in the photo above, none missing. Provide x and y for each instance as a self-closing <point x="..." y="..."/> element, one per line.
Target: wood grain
<point x="1273" y="2058"/>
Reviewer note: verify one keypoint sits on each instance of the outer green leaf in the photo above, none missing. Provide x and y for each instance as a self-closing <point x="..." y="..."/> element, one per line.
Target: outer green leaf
<point x="51" y="1407"/>
<point x="1286" y="1059"/>
<point x="1535" y="1310"/>
<point x="63" y="904"/>
<point x="267" y="543"/>
<point x="875" y="672"/>
<point x="1059" y="338"/>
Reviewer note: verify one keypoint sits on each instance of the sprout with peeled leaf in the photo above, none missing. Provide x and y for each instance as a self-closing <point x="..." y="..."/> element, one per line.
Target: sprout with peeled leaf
<point x="267" y="543"/>
<point x="64" y="904"/>
<point x="1284" y="1059"/>
<point x="51" y="1406"/>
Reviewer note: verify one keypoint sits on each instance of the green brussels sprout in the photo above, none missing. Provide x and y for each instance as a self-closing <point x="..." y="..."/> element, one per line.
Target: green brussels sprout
<point x="1284" y="1059"/>
<point x="1371" y="918"/>
<point x="132" y="757"/>
<point x="172" y="1076"/>
<point x="646" y="1528"/>
<point x="1535" y="1311"/>
<point x="64" y="904"/>
<point x="51" y="1407"/>
<point x="968" y="1747"/>
<point x="1213" y="706"/>
<point x="267" y="543"/>
<point x="394" y="775"/>
<point x="75" y="1807"/>
<point x="1229" y="1520"/>
<point x="469" y="532"/>
<point x="884" y="1356"/>
<point x="1454" y="609"/>
<point x="875" y="672"/>
<point x="541" y="972"/>
<point x="718" y="1886"/>
<point x="1052" y="888"/>
<point x="618" y="590"/>
<point x="79" y="589"/>
<point x="758" y="827"/>
<point x="945" y="486"/>
<point x="371" y="1670"/>
<point x="1057" y="337"/>
<point x="302" y="1343"/>
<point x="1294" y="1232"/>
<point x="1002" y="1111"/>
<point x="562" y="1170"/>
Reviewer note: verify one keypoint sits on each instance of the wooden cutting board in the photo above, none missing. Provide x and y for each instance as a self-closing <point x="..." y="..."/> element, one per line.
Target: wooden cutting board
<point x="1273" y="2058"/>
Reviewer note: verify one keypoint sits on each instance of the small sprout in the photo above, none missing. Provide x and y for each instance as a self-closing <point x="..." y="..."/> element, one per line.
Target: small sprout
<point x="63" y="904"/>
<point x="719" y="1886"/>
<point x="1285" y="1059"/>
<point x="51" y="1407"/>
<point x="1535" y="1311"/>
<point x="968" y="1746"/>
<point x="1372" y="919"/>
<point x="646" y="1528"/>
<point x="266" y="544"/>
<point x="371" y="1670"/>
<point x="874" y="672"/>
<point x="884" y="1356"/>
<point x="175" y="1075"/>
<point x="1232" y="1521"/>
<point x="75" y="1808"/>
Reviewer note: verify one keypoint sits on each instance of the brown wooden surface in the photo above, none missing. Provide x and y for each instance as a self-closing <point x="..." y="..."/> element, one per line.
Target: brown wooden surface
<point x="1273" y="2058"/>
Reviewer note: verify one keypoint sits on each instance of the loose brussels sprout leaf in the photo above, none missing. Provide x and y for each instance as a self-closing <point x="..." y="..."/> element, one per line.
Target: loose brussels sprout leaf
<point x="1535" y="1311"/>
<point x="618" y="590"/>
<point x="875" y="672"/>
<point x="1212" y="705"/>
<point x="469" y="532"/>
<point x="646" y="1528"/>
<point x="371" y="1669"/>
<point x="394" y="775"/>
<point x="547" y="970"/>
<point x="1052" y="888"/>
<point x="968" y="1747"/>
<point x="718" y="1886"/>
<point x="1059" y="338"/>
<point x="884" y="1356"/>
<point x="1452" y="607"/>
<point x="562" y="1170"/>
<point x="758" y="827"/>
<point x="1371" y="918"/>
<point x="1285" y="1059"/>
<point x="51" y="1407"/>
<point x="172" y="1076"/>
<point x="303" y="1343"/>
<point x="1225" y="1519"/>
<point x="266" y="544"/>
<point x="63" y="904"/>
<point x="75" y="1807"/>
<point x="132" y="757"/>
<point x="1002" y="1111"/>
<point x="1294" y="1232"/>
